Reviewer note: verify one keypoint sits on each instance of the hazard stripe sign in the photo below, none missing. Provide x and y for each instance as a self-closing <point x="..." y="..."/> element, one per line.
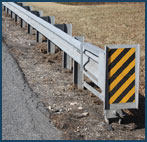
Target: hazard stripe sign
<point x="121" y="75"/>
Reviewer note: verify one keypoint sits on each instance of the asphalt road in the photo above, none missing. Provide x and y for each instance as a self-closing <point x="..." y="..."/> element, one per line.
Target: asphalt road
<point x="21" y="120"/>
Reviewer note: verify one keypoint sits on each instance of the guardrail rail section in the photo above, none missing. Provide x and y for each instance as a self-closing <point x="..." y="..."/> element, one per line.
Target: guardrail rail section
<point x="114" y="70"/>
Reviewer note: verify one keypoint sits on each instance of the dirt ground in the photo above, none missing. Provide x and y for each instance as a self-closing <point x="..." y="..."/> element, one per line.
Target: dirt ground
<point x="77" y="113"/>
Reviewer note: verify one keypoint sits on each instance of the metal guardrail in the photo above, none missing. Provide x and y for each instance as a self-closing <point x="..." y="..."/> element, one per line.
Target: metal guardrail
<point x="114" y="70"/>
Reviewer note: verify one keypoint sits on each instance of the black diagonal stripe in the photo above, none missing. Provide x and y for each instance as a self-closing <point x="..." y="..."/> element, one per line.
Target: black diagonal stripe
<point x="118" y="58"/>
<point x="110" y="52"/>
<point x="132" y="98"/>
<point x="125" y="78"/>
<point x="121" y="68"/>
<point x="125" y="92"/>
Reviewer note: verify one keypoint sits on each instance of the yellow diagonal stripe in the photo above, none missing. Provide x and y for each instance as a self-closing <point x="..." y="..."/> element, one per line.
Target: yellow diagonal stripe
<point x="133" y="101"/>
<point x="115" y="55"/>
<point x="121" y="75"/>
<point x="122" y="61"/>
<point x="128" y="95"/>
<point x="122" y="88"/>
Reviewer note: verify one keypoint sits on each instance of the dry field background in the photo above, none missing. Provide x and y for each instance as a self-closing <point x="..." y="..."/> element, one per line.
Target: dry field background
<point x="121" y="23"/>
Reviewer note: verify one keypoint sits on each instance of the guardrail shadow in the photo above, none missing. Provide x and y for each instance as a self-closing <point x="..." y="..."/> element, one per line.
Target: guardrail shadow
<point x="138" y="115"/>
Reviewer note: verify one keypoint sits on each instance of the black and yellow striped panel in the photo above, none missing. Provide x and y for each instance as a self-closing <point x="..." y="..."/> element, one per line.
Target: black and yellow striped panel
<point x="121" y="75"/>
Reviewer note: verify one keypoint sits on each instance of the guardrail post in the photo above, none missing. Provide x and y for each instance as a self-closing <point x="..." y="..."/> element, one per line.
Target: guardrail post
<point x="4" y="8"/>
<point x="66" y="59"/>
<point x="50" y="45"/>
<point x="17" y="19"/>
<point x="29" y="8"/>
<point x="7" y="11"/>
<point x="22" y="22"/>
<point x="77" y="73"/>
<point x="39" y="35"/>
<point x="11" y="14"/>
<point x="30" y="28"/>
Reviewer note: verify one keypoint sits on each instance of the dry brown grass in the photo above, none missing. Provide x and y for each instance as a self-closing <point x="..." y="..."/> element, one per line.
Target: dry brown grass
<point x="92" y="3"/>
<point x="122" y="23"/>
<point x="101" y="24"/>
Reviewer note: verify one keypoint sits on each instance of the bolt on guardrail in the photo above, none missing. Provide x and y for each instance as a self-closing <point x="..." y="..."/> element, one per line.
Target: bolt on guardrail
<point x="113" y="72"/>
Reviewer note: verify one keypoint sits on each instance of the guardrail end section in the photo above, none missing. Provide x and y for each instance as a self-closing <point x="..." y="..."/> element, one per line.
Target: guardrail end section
<point x="122" y="77"/>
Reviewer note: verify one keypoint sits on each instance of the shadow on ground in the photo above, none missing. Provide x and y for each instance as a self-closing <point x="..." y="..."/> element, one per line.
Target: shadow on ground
<point x="138" y="116"/>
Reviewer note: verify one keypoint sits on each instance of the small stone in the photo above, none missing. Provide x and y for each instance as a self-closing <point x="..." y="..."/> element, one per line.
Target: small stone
<point x="85" y="129"/>
<point x="68" y="109"/>
<point x="85" y="113"/>
<point x="74" y="103"/>
<point x="81" y="115"/>
<point x="49" y="107"/>
<point x="110" y="128"/>
<point x="80" y="108"/>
